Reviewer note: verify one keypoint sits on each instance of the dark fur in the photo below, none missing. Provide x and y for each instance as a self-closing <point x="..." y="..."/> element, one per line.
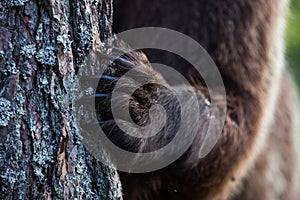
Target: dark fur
<point x="239" y="35"/>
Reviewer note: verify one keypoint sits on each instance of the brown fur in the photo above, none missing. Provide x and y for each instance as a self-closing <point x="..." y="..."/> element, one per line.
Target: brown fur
<point x="256" y="156"/>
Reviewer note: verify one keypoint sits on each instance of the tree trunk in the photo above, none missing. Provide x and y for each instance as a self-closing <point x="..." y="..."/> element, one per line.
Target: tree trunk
<point x="42" y="45"/>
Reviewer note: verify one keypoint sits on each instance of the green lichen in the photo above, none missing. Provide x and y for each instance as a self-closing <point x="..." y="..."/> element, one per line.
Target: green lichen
<point x="19" y="100"/>
<point x="47" y="56"/>
<point x="29" y="153"/>
<point x="44" y="80"/>
<point x="6" y="112"/>
<point x="81" y="174"/>
<point x="11" y="3"/>
<point x="59" y="191"/>
<point x="85" y="34"/>
<point x="65" y="41"/>
<point x="14" y="176"/>
<point x="44" y="146"/>
<point x="39" y="33"/>
<point x="58" y="98"/>
<point x="8" y="66"/>
<point x="12" y="68"/>
<point x="7" y="63"/>
<point x="28" y="50"/>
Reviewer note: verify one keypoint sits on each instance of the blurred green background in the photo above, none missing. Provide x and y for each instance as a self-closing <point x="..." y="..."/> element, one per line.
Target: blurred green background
<point x="293" y="40"/>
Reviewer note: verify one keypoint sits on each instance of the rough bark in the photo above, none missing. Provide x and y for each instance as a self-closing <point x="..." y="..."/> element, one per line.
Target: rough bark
<point x="42" y="46"/>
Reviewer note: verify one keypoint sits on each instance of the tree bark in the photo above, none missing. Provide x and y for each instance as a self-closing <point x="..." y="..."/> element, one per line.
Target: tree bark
<point x="42" y="45"/>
